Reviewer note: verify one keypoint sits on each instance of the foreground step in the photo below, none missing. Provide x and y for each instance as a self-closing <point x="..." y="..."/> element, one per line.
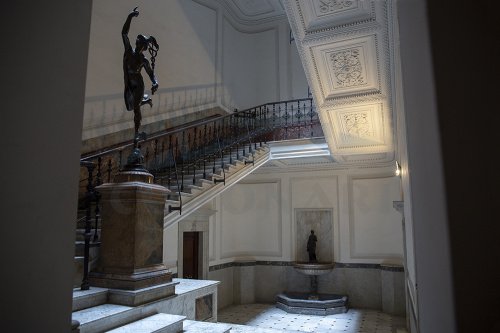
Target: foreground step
<point x="104" y="317"/>
<point x="158" y="323"/>
<point x="83" y="299"/>
<point x="191" y="326"/>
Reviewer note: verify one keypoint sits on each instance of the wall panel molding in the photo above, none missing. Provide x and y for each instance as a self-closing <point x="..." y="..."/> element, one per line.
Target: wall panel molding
<point x="354" y="252"/>
<point x="278" y="251"/>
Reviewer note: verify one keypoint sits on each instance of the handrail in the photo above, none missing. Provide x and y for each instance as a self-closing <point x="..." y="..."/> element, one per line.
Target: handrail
<point x="288" y="119"/>
<point x="179" y="208"/>
<point x="177" y="130"/>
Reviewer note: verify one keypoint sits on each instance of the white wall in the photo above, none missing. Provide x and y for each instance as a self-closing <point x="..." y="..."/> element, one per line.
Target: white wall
<point x="297" y="82"/>
<point x="204" y="60"/>
<point x="429" y="261"/>
<point x="255" y="218"/>
<point x="250" y="67"/>
<point x="185" y="65"/>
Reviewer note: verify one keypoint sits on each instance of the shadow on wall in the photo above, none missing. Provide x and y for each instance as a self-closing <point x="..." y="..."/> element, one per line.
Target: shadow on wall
<point x="109" y="110"/>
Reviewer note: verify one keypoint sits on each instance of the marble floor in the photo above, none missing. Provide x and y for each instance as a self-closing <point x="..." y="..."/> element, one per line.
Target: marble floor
<point x="267" y="316"/>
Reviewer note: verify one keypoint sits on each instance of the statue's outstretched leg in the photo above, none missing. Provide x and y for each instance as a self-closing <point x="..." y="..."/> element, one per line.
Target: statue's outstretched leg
<point x="137" y="119"/>
<point x="137" y="122"/>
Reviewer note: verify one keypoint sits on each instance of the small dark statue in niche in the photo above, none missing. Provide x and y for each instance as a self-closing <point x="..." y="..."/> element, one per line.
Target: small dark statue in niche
<point x="311" y="247"/>
<point x="133" y="62"/>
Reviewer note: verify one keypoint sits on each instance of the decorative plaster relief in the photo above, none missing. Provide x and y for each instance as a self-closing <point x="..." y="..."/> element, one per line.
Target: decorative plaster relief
<point x="323" y="7"/>
<point x="358" y="126"/>
<point x="347" y="67"/>
<point x="318" y="15"/>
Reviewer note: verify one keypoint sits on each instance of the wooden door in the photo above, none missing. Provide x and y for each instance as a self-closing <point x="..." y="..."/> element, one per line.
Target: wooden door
<point x="190" y="255"/>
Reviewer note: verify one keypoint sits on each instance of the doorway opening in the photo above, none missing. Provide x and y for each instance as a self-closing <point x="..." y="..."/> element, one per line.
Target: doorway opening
<point x="192" y="254"/>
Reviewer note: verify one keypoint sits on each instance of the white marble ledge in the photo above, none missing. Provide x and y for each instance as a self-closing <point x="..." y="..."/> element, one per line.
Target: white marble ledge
<point x="77" y="293"/>
<point x="98" y="312"/>
<point x="188" y="285"/>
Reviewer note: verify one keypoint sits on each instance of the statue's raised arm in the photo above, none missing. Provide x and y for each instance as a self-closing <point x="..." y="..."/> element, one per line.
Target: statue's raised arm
<point x="126" y="27"/>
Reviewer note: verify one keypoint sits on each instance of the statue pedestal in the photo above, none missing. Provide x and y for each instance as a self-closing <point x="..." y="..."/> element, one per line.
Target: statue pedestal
<point x="131" y="253"/>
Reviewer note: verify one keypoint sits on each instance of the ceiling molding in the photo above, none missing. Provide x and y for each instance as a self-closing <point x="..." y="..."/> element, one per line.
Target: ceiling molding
<point x="248" y="15"/>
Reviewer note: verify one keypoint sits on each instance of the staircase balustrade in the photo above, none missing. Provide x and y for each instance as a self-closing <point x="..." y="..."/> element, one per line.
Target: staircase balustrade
<point x="182" y="157"/>
<point x="89" y="197"/>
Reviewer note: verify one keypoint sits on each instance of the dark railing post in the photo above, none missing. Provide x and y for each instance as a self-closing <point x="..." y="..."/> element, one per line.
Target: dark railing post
<point x="109" y="170"/>
<point x="155" y="159"/>
<point x="311" y="115"/>
<point x="171" y="150"/>
<point x="162" y="156"/>
<point x="88" y="211"/>
<point x="97" y="197"/>
<point x="205" y="152"/>
<point x="120" y="160"/>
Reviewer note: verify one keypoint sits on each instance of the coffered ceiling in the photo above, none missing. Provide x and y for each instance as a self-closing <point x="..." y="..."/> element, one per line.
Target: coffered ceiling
<point x="346" y="50"/>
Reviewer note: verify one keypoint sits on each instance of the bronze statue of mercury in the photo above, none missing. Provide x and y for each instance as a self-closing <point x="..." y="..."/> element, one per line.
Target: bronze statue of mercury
<point x="133" y="62"/>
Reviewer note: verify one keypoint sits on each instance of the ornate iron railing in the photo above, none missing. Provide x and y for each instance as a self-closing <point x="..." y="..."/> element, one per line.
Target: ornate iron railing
<point x="181" y="157"/>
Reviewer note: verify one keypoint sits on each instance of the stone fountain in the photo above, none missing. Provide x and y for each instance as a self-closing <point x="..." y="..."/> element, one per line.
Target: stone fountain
<point x="312" y="302"/>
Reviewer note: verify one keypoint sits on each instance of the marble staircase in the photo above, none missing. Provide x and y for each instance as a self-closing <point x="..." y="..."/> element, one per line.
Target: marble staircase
<point x="198" y="190"/>
<point x="95" y="313"/>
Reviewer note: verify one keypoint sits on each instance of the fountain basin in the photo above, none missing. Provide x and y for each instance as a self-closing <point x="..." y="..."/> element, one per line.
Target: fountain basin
<point x="312" y="303"/>
<point x="316" y="268"/>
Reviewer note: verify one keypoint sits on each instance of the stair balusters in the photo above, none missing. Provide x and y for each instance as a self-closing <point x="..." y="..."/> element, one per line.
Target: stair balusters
<point x="89" y="196"/>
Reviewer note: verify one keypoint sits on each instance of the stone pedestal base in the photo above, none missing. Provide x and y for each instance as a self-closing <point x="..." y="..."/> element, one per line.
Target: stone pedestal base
<point x="312" y="304"/>
<point x="131" y="281"/>
<point x="131" y="253"/>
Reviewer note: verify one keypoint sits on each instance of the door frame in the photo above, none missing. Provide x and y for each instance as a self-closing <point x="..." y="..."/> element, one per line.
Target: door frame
<point x="196" y="222"/>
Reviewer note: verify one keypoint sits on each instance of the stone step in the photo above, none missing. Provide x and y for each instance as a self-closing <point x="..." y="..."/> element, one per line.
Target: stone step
<point x="174" y="195"/>
<point x="105" y="317"/>
<point x="158" y="323"/>
<point x="83" y="299"/>
<point x="188" y="187"/>
<point x="191" y="326"/>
